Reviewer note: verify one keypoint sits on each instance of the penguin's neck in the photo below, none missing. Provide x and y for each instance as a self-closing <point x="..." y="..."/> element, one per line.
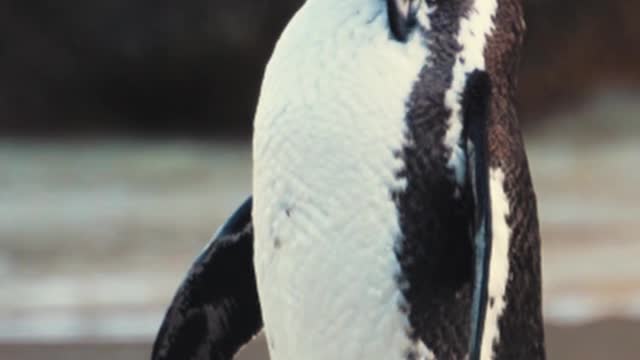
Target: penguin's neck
<point x="333" y="14"/>
<point x="336" y="11"/>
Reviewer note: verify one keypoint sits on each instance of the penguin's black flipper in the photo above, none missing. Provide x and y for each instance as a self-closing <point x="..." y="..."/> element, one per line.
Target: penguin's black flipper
<point x="476" y="101"/>
<point x="216" y="309"/>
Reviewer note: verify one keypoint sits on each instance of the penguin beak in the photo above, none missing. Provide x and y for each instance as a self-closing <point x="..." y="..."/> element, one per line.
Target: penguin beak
<point x="402" y="17"/>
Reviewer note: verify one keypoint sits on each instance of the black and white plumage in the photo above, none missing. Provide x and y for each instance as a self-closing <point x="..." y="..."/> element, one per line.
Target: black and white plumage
<point x="216" y="309"/>
<point x="393" y="212"/>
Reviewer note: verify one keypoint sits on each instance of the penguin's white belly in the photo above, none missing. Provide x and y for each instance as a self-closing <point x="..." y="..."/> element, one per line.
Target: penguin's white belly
<point x="328" y="132"/>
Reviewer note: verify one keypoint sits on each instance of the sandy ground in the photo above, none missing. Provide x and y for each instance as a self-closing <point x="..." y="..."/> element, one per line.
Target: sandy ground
<point x="603" y="340"/>
<point x="96" y="235"/>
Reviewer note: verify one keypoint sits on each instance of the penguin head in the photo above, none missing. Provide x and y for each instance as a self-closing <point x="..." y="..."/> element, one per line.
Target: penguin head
<point x="461" y="26"/>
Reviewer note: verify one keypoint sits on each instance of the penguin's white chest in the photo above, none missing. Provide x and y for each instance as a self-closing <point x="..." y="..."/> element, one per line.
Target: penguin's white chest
<point x="328" y="132"/>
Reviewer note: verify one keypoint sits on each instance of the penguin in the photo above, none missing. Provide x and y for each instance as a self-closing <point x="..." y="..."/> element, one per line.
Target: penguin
<point x="392" y="213"/>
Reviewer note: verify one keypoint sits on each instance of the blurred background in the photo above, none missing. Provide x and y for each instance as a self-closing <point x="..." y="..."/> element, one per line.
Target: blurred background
<point x="124" y="143"/>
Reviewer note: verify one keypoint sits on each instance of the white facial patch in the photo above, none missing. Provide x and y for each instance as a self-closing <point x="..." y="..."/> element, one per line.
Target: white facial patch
<point x="472" y="37"/>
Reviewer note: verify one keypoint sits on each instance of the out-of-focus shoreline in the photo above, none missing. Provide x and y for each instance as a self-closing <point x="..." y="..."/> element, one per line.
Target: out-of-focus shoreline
<point x="95" y="236"/>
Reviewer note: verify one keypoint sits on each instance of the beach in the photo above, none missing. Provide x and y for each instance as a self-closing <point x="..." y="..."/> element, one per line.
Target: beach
<point x="95" y="235"/>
